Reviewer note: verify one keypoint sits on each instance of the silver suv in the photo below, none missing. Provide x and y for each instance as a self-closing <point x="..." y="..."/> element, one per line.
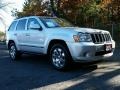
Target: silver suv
<point x="59" y="39"/>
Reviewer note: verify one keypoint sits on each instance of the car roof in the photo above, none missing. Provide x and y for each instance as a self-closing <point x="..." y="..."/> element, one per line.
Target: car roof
<point x="33" y="17"/>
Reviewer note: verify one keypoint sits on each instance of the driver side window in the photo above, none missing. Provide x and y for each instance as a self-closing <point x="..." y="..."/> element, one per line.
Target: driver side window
<point x="32" y="21"/>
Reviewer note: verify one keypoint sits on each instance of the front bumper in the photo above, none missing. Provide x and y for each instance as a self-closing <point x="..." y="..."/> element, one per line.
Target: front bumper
<point x="88" y="51"/>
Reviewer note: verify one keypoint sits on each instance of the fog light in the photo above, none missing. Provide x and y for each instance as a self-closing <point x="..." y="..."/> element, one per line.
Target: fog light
<point x="87" y="55"/>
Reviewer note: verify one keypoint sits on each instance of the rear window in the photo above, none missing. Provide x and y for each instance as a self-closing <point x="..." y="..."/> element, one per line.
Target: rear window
<point x="21" y="24"/>
<point x="12" y="26"/>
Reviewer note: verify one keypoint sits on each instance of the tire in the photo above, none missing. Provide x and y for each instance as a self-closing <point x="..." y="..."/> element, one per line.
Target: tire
<point x="60" y="57"/>
<point x="13" y="52"/>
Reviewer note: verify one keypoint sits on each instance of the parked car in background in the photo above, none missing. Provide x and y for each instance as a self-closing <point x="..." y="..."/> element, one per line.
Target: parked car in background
<point x="60" y="40"/>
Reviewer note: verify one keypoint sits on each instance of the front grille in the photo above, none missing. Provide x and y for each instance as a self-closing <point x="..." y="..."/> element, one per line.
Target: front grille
<point x="100" y="38"/>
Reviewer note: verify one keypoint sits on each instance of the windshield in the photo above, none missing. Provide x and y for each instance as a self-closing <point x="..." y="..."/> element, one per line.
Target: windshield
<point x="55" y="22"/>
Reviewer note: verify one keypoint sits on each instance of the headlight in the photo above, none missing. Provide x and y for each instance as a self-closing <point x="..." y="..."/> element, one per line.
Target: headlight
<point x="82" y="37"/>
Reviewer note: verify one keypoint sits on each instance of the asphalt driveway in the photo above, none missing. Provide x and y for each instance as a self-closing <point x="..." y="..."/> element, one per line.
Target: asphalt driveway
<point x="35" y="72"/>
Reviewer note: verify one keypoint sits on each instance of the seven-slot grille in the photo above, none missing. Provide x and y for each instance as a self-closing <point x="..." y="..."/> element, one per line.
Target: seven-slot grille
<point x="100" y="37"/>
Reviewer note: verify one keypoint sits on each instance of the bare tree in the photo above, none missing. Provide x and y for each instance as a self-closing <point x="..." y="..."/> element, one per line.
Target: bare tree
<point x="3" y="5"/>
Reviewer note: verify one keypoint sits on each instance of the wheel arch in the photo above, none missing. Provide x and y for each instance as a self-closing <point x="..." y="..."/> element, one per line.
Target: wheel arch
<point x="12" y="41"/>
<point x="57" y="41"/>
<point x="9" y="42"/>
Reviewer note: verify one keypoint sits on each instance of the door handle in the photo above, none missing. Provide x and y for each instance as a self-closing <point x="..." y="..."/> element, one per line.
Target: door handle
<point x="27" y="34"/>
<point x="15" y="34"/>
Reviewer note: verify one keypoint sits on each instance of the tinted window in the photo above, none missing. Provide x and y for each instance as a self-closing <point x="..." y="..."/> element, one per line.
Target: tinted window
<point x="12" y="26"/>
<point x="32" y="20"/>
<point x="21" y="24"/>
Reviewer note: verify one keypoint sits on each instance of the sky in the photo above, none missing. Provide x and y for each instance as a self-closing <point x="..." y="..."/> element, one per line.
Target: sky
<point x="6" y="13"/>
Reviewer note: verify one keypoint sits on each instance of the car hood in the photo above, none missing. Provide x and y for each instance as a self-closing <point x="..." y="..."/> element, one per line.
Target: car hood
<point x="84" y="30"/>
<point x="75" y="30"/>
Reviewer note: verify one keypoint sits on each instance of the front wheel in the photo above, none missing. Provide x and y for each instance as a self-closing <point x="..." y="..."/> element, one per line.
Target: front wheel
<point x="60" y="57"/>
<point x="14" y="54"/>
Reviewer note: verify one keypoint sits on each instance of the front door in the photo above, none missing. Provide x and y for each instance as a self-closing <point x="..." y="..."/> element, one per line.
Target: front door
<point x="37" y="36"/>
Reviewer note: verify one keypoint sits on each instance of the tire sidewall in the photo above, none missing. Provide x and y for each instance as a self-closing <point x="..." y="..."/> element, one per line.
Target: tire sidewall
<point x="67" y="59"/>
<point x="15" y="58"/>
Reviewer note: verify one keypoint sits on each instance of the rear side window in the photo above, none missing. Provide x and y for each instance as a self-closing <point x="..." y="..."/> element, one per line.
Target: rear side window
<point x="12" y="26"/>
<point x="21" y="24"/>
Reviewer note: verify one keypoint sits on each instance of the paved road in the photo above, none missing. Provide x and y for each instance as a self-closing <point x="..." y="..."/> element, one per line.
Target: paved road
<point x="35" y="72"/>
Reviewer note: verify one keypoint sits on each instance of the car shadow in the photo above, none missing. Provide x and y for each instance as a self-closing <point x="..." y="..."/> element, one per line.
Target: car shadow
<point x="33" y="71"/>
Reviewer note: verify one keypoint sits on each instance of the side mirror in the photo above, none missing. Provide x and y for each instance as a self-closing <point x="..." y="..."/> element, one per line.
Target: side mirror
<point x="35" y="26"/>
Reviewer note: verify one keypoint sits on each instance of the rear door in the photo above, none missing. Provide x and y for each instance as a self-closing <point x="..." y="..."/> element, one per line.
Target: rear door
<point x="21" y="34"/>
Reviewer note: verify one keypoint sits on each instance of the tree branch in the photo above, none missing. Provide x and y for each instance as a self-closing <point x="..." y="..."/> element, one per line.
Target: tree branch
<point x="4" y="5"/>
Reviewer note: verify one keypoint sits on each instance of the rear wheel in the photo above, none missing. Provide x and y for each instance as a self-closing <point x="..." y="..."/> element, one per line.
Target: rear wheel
<point x="60" y="57"/>
<point x="14" y="54"/>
